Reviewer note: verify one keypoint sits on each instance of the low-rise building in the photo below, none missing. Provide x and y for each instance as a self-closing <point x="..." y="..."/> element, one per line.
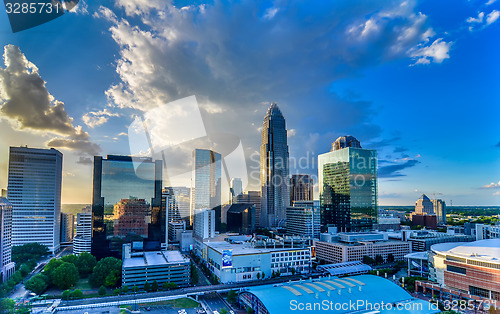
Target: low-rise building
<point x="487" y="231"/>
<point x="159" y="266"/>
<point x="422" y="240"/>
<point x="303" y="219"/>
<point x="175" y="229"/>
<point x="348" y="247"/>
<point x="82" y="241"/>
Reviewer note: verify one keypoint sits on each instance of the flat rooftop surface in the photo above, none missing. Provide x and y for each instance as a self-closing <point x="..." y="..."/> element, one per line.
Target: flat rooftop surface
<point x="244" y="248"/>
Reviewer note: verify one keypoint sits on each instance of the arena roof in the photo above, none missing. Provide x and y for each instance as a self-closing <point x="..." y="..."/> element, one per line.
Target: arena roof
<point x="333" y="292"/>
<point x="485" y="250"/>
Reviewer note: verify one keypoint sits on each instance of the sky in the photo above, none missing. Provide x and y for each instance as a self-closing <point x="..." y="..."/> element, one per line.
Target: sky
<point x="416" y="80"/>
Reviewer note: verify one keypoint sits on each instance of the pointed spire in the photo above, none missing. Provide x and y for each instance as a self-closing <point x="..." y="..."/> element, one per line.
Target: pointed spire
<point x="274" y="110"/>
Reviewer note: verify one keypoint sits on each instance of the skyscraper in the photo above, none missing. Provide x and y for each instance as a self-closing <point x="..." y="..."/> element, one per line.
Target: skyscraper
<point x="439" y="210"/>
<point x="34" y="190"/>
<point x="236" y="188"/>
<point x="206" y="180"/>
<point x="424" y="205"/>
<point x="348" y="185"/>
<point x="274" y="169"/>
<point x="301" y="188"/>
<point x="7" y="266"/>
<point x="126" y="204"/>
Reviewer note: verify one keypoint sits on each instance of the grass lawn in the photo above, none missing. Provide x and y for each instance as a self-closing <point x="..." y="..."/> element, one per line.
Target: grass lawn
<point x="83" y="284"/>
<point x="182" y="303"/>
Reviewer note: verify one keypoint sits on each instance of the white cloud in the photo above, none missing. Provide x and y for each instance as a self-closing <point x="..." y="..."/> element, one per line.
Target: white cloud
<point x="492" y="185"/>
<point x="291" y="132"/>
<point x="492" y="17"/>
<point x="436" y="52"/>
<point x="478" y="19"/>
<point x="98" y="118"/>
<point x="270" y="13"/>
<point x="490" y="2"/>
<point x="496" y="193"/>
<point x="28" y="105"/>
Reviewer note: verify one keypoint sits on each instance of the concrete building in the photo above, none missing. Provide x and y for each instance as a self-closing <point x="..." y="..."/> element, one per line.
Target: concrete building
<point x="470" y="268"/>
<point x="7" y="266"/>
<point x="34" y="190"/>
<point x="204" y="223"/>
<point x="387" y="222"/>
<point x="348" y="247"/>
<point x="179" y="203"/>
<point x="301" y="188"/>
<point x="186" y="243"/>
<point x="67" y="227"/>
<point x="303" y="220"/>
<point x="175" y="229"/>
<point x="422" y="240"/>
<point x="487" y="231"/>
<point x="237" y="262"/>
<point x="439" y="210"/>
<point x="82" y="241"/>
<point x="424" y="205"/>
<point x="274" y="169"/>
<point x="160" y="266"/>
<point x="241" y="218"/>
<point x="347" y="177"/>
<point x="428" y="221"/>
<point x="251" y="197"/>
<point x="236" y="188"/>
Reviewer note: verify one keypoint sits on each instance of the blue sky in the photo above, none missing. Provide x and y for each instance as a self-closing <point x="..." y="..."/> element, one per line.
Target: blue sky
<point x="416" y="80"/>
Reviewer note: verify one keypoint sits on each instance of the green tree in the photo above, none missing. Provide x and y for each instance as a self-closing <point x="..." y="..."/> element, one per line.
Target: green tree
<point x="263" y="275"/>
<point x="223" y="311"/>
<point x="125" y="289"/>
<point x="293" y="271"/>
<point x="154" y="286"/>
<point x="390" y="258"/>
<point x="135" y="289"/>
<point x="73" y="259"/>
<point x="368" y="260"/>
<point x="86" y="263"/>
<point x="65" y="295"/>
<point x="107" y="272"/>
<point x="194" y="274"/>
<point x="25" y="269"/>
<point x="77" y="294"/>
<point x="147" y="286"/>
<point x="7" y="305"/>
<point x="52" y="265"/>
<point x="28" y="252"/>
<point x="379" y="259"/>
<point x="117" y="291"/>
<point x="250" y="310"/>
<point x="258" y="275"/>
<point x="231" y="296"/>
<point x="65" y="276"/>
<point x="102" y="290"/>
<point x="24" y="309"/>
<point x="37" y="283"/>
<point x="169" y="285"/>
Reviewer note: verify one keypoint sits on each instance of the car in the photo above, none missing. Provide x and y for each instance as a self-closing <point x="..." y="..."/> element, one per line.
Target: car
<point x="148" y="308"/>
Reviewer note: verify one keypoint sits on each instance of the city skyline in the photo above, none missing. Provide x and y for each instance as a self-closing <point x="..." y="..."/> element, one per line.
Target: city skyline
<point x="426" y="102"/>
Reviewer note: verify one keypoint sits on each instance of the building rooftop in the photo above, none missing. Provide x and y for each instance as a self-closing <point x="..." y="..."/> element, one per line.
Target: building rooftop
<point x="239" y="208"/>
<point x="156" y="258"/>
<point x="279" y="298"/>
<point x="340" y="269"/>
<point x="484" y="250"/>
<point x="345" y="141"/>
<point x="243" y="248"/>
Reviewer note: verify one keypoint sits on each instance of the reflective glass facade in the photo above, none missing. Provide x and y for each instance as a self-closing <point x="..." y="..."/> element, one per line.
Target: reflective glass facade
<point x="206" y="189"/>
<point x="348" y="188"/>
<point x="126" y="204"/>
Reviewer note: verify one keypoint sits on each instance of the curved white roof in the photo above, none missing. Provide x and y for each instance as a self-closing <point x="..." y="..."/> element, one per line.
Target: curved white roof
<point x="484" y="250"/>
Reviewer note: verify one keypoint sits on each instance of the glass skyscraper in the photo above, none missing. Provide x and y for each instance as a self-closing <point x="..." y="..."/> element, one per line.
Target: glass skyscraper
<point x="127" y="204"/>
<point x="348" y="186"/>
<point x="34" y="190"/>
<point x="274" y="169"/>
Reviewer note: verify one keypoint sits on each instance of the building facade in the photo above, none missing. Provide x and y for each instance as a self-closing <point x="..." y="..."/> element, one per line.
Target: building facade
<point x="82" y="242"/>
<point x="487" y="231"/>
<point x="303" y="220"/>
<point x="127" y="204"/>
<point x="424" y="206"/>
<point x="7" y="266"/>
<point x="439" y="210"/>
<point x="159" y="266"/>
<point x="423" y="240"/>
<point x="236" y="188"/>
<point x="348" y="186"/>
<point x="241" y="218"/>
<point x="274" y="169"/>
<point x="34" y="190"/>
<point x="251" y="197"/>
<point x="204" y="223"/>
<point x="67" y="227"/>
<point x="301" y="188"/>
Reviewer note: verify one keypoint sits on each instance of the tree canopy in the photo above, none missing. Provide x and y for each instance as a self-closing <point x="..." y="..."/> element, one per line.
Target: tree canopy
<point x="107" y="272"/>
<point x="28" y="252"/>
<point x="65" y="276"/>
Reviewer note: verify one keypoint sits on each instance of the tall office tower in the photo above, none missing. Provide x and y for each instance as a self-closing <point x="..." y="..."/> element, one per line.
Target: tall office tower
<point x="424" y="205"/>
<point x="168" y="201"/>
<point x="67" y="227"/>
<point x="274" y="169"/>
<point x="439" y="210"/>
<point x="34" y="191"/>
<point x="83" y="237"/>
<point x="182" y="199"/>
<point x="204" y="223"/>
<point x="127" y="204"/>
<point x="251" y="197"/>
<point x="301" y="188"/>
<point x="236" y="188"/>
<point x="348" y="186"/>
<point x="206" y="180"/>
<point x="303" y="219"/>
<point x="7" y="266"/>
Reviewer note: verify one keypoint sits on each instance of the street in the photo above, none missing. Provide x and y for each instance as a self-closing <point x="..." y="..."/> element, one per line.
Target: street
<point x="214" y="302"/>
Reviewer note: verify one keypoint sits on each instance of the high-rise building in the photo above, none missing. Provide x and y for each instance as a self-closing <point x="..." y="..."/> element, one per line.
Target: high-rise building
<point x="301" y="188"/>
<point x="348" y="186"/>
<point x="236" y="188"/>
<point x="274" y="169"/>
<point x="82" y="241"/>
<point x="7" y="266"/>
<point x="178" y="203"/>
<point x="206" y="180"/>
<point x="204" y="223"/>
<point x="304" y="219"/>
<point x="424" y="205"/>
<point x="67" y="227"/>
<point x="439" y="210"/>
<point x="34" y="191"/>
<point x="127" y="204"/>
<point x="251" y="197"/>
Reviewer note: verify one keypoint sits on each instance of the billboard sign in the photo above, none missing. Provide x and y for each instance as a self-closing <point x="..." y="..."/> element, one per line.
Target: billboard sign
<point x="227" y="258"/>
